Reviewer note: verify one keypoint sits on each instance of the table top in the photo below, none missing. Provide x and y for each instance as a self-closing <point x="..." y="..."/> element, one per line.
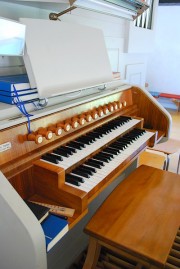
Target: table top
<point x="169" y="147"/>
<point x="141" y="216"/>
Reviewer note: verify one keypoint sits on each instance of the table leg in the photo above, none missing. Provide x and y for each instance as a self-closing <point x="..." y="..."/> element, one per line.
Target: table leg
<point x="94" y="249"/>
<point x="167" y="164"/>
<point x="178" y="109"/>
<point x="164" y="165"/>
<point x="178" y="164"/>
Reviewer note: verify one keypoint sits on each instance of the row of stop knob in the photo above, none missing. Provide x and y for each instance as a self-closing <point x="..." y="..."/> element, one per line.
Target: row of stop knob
<point x="74" y="122"/>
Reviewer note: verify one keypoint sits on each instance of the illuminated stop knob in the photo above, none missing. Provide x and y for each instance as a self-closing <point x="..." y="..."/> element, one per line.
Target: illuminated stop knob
<point x="100" y="112"/>
<point x="65" y="126"/>
<point x="124" y="103"/>
<point x="94" y="114"/>
<point x="82" y="120"/>
<point x="45" y="133"/>
<point x="37" y="138"/>
<point x="110" y="107"/>
<point x="115" y="105"/>
<point x="56" y="130"/>
<point x="119" y="104"/>
<point x="74" y="123"/>
<point x="105" y="110"/>
<point x="87" y="117"/>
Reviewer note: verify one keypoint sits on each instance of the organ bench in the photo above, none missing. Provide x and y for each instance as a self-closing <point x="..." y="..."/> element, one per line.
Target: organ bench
<point x="140" y="219"/>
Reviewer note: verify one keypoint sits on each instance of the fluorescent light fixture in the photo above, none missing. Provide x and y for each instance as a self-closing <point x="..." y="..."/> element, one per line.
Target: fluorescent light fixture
<point x="128" y="9"/>
<point x="105" y="7"/>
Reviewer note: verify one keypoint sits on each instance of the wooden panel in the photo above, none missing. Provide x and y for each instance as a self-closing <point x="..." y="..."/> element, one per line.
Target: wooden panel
<point x="23" y="183"/>
<point x="153" y="117"/>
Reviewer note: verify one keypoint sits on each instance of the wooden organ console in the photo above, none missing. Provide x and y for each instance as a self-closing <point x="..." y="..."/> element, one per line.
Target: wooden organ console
<point x="73" y="154"/>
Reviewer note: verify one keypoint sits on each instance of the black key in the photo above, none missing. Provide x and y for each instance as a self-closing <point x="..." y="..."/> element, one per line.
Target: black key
<point x="131" y="135"/>
<point x="118" y="146"/>
<point x="125" y="118"/>
<point x="98" y="162"/>
<point x="95" y="135"/>
<point x="80" y="179"/>
<point x="91" y="136"/>
<point x="123" y="143"/>
<point x="105" y="155"/>
<point x="58" y="157"/>
<point x="111" y="151"/>
<point x="74" y="182"/>
<point x="67" y="149"/>
<point x="104" y="129"/>
<point x="114" y="148"/>
<point x="139" y="130"/>
<point x="75" y="145"/>
<point x="86" y="138"/>
<point x="83" y="141"/>
<point x="60" y="152"/>
<point x="89" y="168"/>
<point x="108" y="154"/>
<point x="72" y="149"/>
<point x="80" y="173"/>
<point x="126" y="141"/>
<point x="85" y="170"/>
<point x="93" y="164"/>
<point x="49" y="159"/>
<point x="101" y="158"/>
<point x="69" y="152"/>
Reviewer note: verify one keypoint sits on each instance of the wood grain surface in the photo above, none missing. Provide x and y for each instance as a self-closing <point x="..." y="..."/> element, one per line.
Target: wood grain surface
<point x="141" y="216"/>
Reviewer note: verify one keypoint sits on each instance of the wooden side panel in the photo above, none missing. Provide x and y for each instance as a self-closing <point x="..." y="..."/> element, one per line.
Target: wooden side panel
<point x="49" y="183"/>
<point x="23" y="183"/>
<point x="153" y="117"/>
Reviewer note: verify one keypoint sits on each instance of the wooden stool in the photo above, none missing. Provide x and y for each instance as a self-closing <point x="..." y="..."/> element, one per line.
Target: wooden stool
<point x="140" y="219"/>
<point x="152" y="159"/>
<point x="177" y="102"/>
<point x="169" y="147"/>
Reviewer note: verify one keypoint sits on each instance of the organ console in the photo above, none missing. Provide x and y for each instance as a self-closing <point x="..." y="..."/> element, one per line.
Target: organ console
<point x="73" y="154"/>
<point x="69" y="159"/>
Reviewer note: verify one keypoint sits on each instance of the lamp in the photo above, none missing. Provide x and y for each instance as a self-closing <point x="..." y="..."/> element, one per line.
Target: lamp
<point x="128" y="9"/>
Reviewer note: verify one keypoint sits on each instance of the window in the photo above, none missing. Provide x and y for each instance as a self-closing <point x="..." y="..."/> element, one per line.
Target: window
<point x="145" y="19"/>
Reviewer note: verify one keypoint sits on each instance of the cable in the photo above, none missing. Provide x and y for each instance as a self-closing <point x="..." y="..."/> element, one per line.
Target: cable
<point x="21" y="106"/>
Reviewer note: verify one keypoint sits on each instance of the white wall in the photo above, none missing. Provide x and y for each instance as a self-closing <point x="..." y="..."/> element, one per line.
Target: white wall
<point x="115" y="32"/>
<point x="164" y="63"/>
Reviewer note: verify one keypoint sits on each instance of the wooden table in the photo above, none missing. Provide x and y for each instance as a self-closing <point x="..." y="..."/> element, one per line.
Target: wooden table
<point x="140" y="217"/>
<point x="169" y="147"/>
